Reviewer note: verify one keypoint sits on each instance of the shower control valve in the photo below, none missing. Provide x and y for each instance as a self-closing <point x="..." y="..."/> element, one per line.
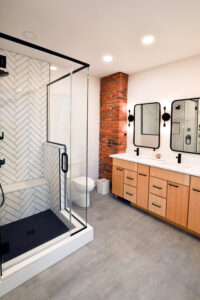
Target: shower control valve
<point x="2" y="162"/>
<point x="2" y="136"/>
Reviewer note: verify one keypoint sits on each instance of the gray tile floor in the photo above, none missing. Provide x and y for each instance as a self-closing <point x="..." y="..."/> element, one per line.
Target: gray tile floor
<point x="133" y="257"/>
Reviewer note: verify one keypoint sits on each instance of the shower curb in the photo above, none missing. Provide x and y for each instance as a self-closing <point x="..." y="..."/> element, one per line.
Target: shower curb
<point x="32" y="266"/>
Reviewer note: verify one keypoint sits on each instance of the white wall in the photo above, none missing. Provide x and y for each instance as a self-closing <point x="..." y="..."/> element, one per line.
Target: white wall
<point x="94" y="123"/>
<point x="164" y="84"/>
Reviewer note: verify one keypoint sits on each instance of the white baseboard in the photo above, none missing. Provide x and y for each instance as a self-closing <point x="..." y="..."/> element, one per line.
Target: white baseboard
<point x="18" y="274"/>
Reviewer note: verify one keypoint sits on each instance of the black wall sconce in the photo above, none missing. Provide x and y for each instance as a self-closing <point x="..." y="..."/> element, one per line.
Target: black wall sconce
<point x="165" y="116"/>
<point x="130" y="118"/>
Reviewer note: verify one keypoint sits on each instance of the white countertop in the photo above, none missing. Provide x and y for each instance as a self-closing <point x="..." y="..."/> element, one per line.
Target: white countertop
<point x="160" y="163"/>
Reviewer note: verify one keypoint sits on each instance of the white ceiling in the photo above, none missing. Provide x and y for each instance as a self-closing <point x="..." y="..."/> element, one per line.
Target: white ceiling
<point x="89" y="29"/>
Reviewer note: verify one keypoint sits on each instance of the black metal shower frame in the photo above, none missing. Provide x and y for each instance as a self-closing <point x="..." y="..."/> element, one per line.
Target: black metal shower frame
<point x="68" y="58"/>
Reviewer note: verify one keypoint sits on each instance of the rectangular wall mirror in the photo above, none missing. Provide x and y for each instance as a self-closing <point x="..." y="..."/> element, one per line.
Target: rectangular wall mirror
<point x="147" y="125"/>
<point x="185" y="126"/>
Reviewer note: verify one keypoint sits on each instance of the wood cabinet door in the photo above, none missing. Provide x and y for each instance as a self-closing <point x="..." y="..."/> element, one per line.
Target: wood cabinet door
<point x="177" y="203"/>
<point x="118" y="181"/>
<point x="143" y="186"/>
<point x="194" y="205"/>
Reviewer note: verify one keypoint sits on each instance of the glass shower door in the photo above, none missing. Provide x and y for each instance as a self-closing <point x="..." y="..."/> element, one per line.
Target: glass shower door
<point x="67" y="126"/>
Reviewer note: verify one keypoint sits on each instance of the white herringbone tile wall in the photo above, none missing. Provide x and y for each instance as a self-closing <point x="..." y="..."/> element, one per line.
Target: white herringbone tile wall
<point x="23" y="121"/>
<point x="23" y="117"/>
<point x="24" y="203"/>
<point x="56" y="179"/>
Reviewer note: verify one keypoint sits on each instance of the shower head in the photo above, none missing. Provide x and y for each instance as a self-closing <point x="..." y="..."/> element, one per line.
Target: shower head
<point x="3" y="73"/>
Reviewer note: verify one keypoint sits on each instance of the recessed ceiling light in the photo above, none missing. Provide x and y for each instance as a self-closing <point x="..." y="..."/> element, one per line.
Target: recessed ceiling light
<point x="148" y="39"/>
<point x="107" y="58"/>
<point x="29" y="35"/>
<point x="53" y="68"/>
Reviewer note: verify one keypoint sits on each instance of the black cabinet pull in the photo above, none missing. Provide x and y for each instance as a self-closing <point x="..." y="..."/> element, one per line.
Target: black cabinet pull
<point x="142" y="174"/>
<point x="64" y="164"/>
<point x="129" y="194"/>
<point x="130" y="178"/>
<point x="159" y="206"/>
<point x="196" y="190"/>
<point x="157" y="187"/>
<point x="3" y="196"/>
<point x="119" y="169"/>
<point x="176" y="186"/>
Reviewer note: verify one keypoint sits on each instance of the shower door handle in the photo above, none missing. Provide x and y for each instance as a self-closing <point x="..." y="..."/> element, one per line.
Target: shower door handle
<point x="3" y="196"/>
<point x="64" y="164"/>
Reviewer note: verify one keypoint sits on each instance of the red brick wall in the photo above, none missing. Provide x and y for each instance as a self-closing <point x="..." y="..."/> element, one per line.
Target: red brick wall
<point x="113" y="120"/>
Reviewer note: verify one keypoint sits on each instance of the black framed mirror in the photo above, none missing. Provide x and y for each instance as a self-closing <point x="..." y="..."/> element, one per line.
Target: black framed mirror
<point x="185" y="126"/>
<point x="147" y="125"/>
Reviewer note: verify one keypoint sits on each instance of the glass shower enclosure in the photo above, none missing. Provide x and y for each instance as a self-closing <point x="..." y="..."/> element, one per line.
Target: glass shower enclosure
<point x="43" y="148"/>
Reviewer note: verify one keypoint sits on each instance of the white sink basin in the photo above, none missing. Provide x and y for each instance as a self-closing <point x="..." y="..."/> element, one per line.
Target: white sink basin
<point x="157" y="159"/>
<point x="174" y="165"/>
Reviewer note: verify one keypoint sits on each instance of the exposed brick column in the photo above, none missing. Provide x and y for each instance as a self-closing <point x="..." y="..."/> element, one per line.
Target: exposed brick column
<point x="113" y="120"/>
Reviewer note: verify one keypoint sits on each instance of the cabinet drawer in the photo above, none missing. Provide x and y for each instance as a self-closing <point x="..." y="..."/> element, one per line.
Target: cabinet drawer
<point x="170" y="175"/>
<point x="158" y="187"/>
<point x="129" y="165"/>
<point x="157" y="205"/>
<point x="143" y="169"/>
<point x="130" y="178"/>
<point x="195" y="183"/>
<point x="130" y="193"/>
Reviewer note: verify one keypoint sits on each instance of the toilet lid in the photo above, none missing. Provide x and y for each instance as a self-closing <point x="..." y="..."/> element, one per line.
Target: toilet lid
<point x="82" y="181"/>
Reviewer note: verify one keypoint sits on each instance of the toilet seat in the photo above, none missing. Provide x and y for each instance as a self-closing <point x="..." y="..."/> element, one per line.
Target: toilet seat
<point x="79" y="191"/>
<point x="80" y="183"/>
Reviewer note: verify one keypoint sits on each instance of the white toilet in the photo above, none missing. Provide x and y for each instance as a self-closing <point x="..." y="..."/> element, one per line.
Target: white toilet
<point x="78" y="185"/>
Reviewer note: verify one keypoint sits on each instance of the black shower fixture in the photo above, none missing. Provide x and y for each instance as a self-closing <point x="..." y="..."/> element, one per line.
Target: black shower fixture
<point x="165" y="116"/>
<point x="3" y="72"/>
<point x="130" y="118"/>
<point x="178" y="107"/>
<point x="2" y="136"/>
<point x="2" y="161"/>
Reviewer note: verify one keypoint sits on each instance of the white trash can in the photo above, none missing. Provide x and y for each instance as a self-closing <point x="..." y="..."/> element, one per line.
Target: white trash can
<point x="103" y="186"/>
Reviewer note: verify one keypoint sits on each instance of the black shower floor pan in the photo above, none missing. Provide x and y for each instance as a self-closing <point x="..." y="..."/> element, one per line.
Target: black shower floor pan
<point x="26" y="234"/>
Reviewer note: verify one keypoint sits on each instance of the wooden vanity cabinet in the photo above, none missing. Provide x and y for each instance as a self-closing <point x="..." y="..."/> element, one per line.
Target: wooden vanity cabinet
<point x="143" y="186"/>
<point x="124" y="179"/>
<point x="194" y="205"/>
<point x="118" y="181"/>
<point x="177" y="203"/>
<point x="172" y="196"/>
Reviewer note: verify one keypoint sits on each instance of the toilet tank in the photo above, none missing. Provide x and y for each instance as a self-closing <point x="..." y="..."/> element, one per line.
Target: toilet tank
<point x="75" y="168"/>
